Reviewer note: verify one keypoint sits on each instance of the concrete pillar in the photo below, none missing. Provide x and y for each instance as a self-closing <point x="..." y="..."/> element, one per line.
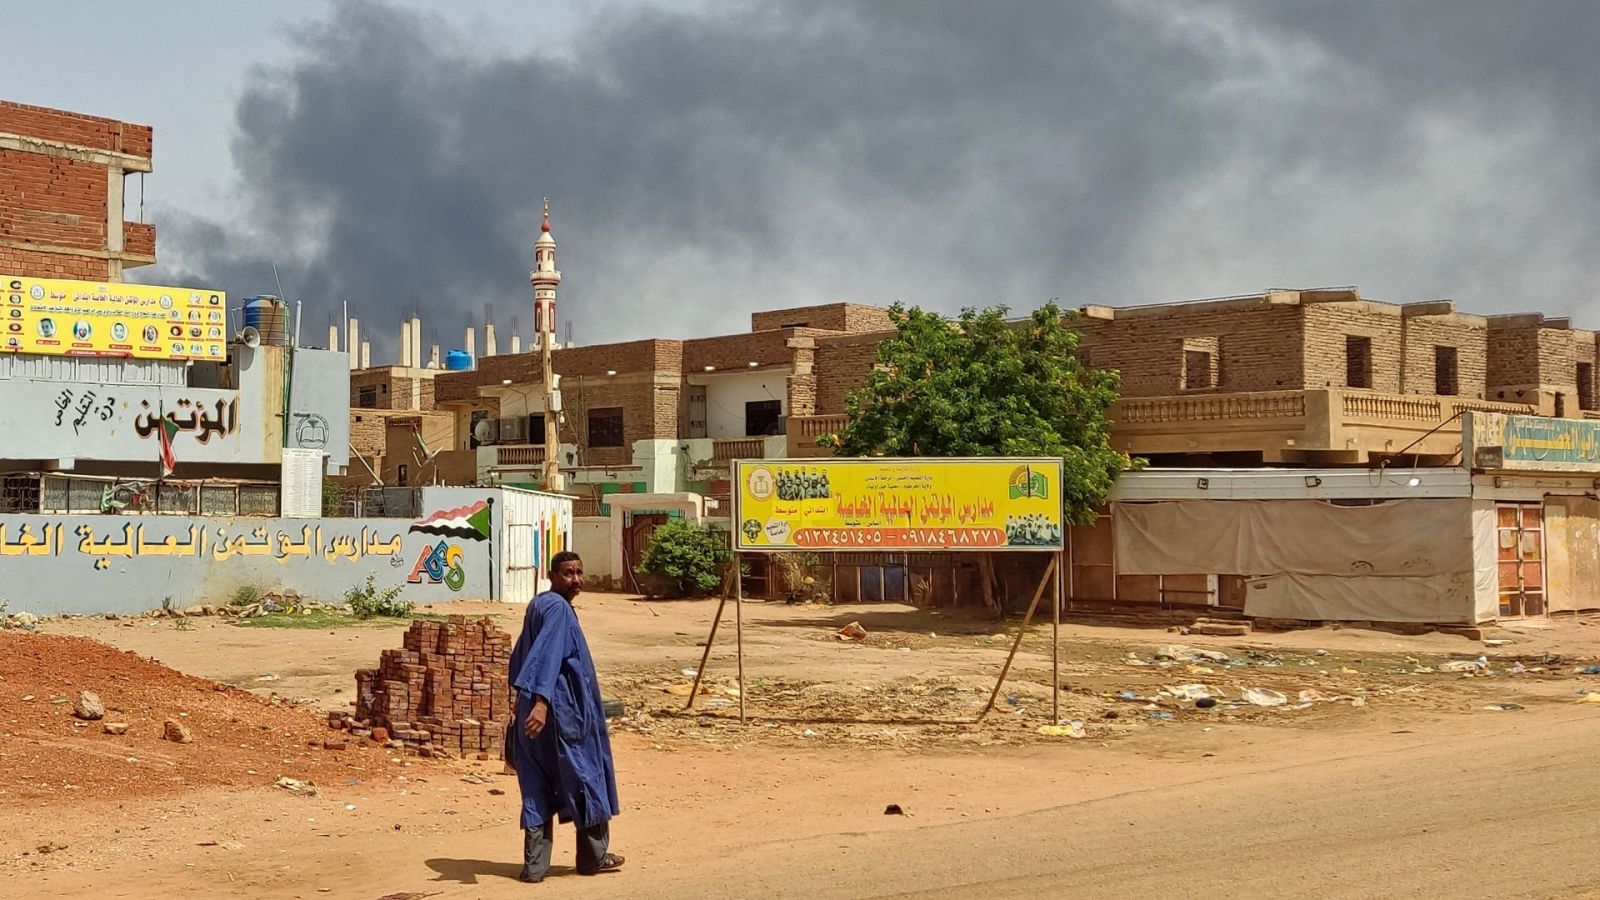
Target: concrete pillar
<point x="416" y="340"/>
<point x="472" y="345"/>
<point x="488" y="339"/>
<point x="433" y="357"/>
<point x="516" y="344"/>
<point x="114" y="218"/>
<point x="333" y="337"/>
<point x="352" y="342"/>
<point x="405" y="342"/>
<point x="366" y="354"/>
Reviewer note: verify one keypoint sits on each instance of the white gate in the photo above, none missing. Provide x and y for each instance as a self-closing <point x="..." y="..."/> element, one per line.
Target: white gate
<point x="536" y="526"/>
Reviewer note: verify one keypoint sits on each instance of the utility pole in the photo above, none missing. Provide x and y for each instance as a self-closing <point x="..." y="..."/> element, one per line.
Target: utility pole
<point x="545" y="278"/>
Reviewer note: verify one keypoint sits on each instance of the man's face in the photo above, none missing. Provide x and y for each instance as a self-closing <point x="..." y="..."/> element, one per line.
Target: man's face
<point x="567" y="580"/>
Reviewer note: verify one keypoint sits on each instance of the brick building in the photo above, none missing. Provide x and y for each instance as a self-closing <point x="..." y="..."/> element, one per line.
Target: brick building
<point x="1291" y="377"/>
<point x="652" y="416"/>
<point x="62" y="200"/>
<point x="85" y="390"/>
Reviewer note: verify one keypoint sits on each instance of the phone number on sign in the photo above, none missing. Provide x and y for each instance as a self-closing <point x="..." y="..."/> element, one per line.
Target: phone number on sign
<point x="900" y="537"/>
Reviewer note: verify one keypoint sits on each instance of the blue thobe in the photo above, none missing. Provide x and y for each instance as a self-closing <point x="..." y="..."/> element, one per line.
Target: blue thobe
<point x="566" y="771"/>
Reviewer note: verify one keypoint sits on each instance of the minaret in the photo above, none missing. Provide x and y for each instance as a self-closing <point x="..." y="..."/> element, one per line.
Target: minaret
<point x="545" y="278"/>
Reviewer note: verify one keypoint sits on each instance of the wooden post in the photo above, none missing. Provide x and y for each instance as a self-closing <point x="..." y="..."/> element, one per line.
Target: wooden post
<point x="1006" y="670"/>
<point x="738" y="627"/>
<point x="694" y="689"/>
<point x="1055" y="647"/>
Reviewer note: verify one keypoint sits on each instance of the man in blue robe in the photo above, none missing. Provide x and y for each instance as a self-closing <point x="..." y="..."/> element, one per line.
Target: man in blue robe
<point x="557" y="740"/>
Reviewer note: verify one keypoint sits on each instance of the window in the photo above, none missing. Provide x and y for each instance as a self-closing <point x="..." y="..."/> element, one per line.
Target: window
<point x="369" y="398"/>
<point x="1446" y="381"/>
<point x="1357" y="361"/>
<point x="1586" y="385"/>
<point x="401" y="475"/>
<point x="763" y="417"/>
<point x="605" y="427"/>
<point x="1197" y="370"/>
<point x="1561" y="405"/>
<point x="536" y="429"/>
<point x="1199" y="364"/>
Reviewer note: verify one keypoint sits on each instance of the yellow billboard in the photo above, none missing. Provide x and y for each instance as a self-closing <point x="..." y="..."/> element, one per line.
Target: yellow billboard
<point x="897" y="504"/>
<point x="89" y="318"/>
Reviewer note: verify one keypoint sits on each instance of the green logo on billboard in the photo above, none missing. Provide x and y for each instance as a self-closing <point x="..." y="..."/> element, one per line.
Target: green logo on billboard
<point x="1025" y="482"/>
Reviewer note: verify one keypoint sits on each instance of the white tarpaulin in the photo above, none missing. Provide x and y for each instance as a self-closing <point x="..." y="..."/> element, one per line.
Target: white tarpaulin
<point x="1400" y="561"/>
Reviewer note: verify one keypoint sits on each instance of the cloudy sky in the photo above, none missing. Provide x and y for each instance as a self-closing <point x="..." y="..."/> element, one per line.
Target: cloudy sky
<point x="705" y="159"/>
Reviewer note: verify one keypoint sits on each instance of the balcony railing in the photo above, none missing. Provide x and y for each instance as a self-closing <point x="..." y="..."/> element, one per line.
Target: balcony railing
<point x="1284" y="426"/>
<point x="1211" y="407"/>
<point x="525" y="455"/>
<point x="1392" y="408"/>
<point x="1333" y="425"/>
<point x="729" y="449"/>
<point x="804" y="430"/>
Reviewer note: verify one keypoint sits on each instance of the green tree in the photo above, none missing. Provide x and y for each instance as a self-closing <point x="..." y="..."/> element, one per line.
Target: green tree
<point x="984" y="386"/>
<point x="693" y="558"/>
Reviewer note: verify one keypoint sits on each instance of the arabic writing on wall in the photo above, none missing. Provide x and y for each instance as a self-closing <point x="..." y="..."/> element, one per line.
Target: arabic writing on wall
<point x="102" y="409"/>
<point x="132" y="541"/>
<point x="195" y="417"/>
<point x="1555" y="440"/>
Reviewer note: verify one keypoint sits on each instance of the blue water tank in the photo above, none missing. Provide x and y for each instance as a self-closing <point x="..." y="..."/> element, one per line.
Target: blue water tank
<point x="270" y="317"/>
<point x="457" y="361"/>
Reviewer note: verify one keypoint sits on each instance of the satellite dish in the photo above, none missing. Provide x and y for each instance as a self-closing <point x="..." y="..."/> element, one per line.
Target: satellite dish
<point x="250" y="336"/>
<point x="483" y="432"/>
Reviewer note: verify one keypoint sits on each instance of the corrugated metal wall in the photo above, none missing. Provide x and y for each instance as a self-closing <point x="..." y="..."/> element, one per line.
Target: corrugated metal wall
<point x="94" y="369"/>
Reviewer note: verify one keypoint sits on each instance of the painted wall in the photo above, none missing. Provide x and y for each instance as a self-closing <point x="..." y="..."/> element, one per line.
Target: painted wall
<point x="127" y="564"/>
<point x="726" y="395"/>
<point x="591" y="538"/>
<point x="119" y="421"/>
<point x="535" y="526"/>
<point x="86" y="420"/>
<point x="319" y="405"/>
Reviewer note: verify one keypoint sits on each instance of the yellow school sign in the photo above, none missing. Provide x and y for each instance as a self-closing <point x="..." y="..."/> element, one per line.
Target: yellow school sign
<point x="897" y="504"/>
<point x="89" y="318"/>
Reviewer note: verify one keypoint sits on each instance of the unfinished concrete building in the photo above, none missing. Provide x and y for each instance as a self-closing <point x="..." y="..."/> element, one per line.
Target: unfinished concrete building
<point x="1313" y="377"/>
<point x="63" y="206"/>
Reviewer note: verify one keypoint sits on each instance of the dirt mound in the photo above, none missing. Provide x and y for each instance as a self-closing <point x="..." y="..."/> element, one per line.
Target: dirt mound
<point x="238" y="738"/>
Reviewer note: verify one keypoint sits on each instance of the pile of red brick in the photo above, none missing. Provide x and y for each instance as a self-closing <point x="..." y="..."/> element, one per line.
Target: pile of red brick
<point x="443" y="693"/>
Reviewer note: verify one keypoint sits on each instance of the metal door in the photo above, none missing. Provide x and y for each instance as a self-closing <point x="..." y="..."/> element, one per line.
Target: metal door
<point x="636" y="536"/>
<point x="1519" y="542"/>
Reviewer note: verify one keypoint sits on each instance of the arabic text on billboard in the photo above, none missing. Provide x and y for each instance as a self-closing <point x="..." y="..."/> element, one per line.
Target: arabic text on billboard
<point x="898" y="504"/>
<point x="88" y="318"/>
<point x="1536" y="442"/>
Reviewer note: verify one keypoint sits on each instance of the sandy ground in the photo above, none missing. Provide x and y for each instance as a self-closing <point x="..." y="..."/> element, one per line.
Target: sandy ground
<point x="1418" y="790"/>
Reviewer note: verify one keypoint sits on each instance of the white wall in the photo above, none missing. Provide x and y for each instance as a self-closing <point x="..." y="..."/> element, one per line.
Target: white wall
<point x="726" y="395"/>
<point x="591" y="537"/>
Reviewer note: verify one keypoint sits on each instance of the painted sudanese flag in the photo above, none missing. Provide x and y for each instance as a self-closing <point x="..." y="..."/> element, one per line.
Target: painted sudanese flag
<point x="470" y="522"/>
<point x="169" y="460"/>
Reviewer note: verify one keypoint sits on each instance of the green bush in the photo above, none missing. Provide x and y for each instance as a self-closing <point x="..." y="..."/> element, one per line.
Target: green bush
<point x="366" y="601"/>
<point x="245" y="595"/>
<point x="692" y="557"/>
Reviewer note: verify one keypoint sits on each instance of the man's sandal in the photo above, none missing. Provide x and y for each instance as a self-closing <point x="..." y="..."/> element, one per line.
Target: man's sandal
<point x="610" y="863"/>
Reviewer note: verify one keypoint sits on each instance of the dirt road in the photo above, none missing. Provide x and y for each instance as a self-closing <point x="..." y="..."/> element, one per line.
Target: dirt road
<point x="1420" y="792"/>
